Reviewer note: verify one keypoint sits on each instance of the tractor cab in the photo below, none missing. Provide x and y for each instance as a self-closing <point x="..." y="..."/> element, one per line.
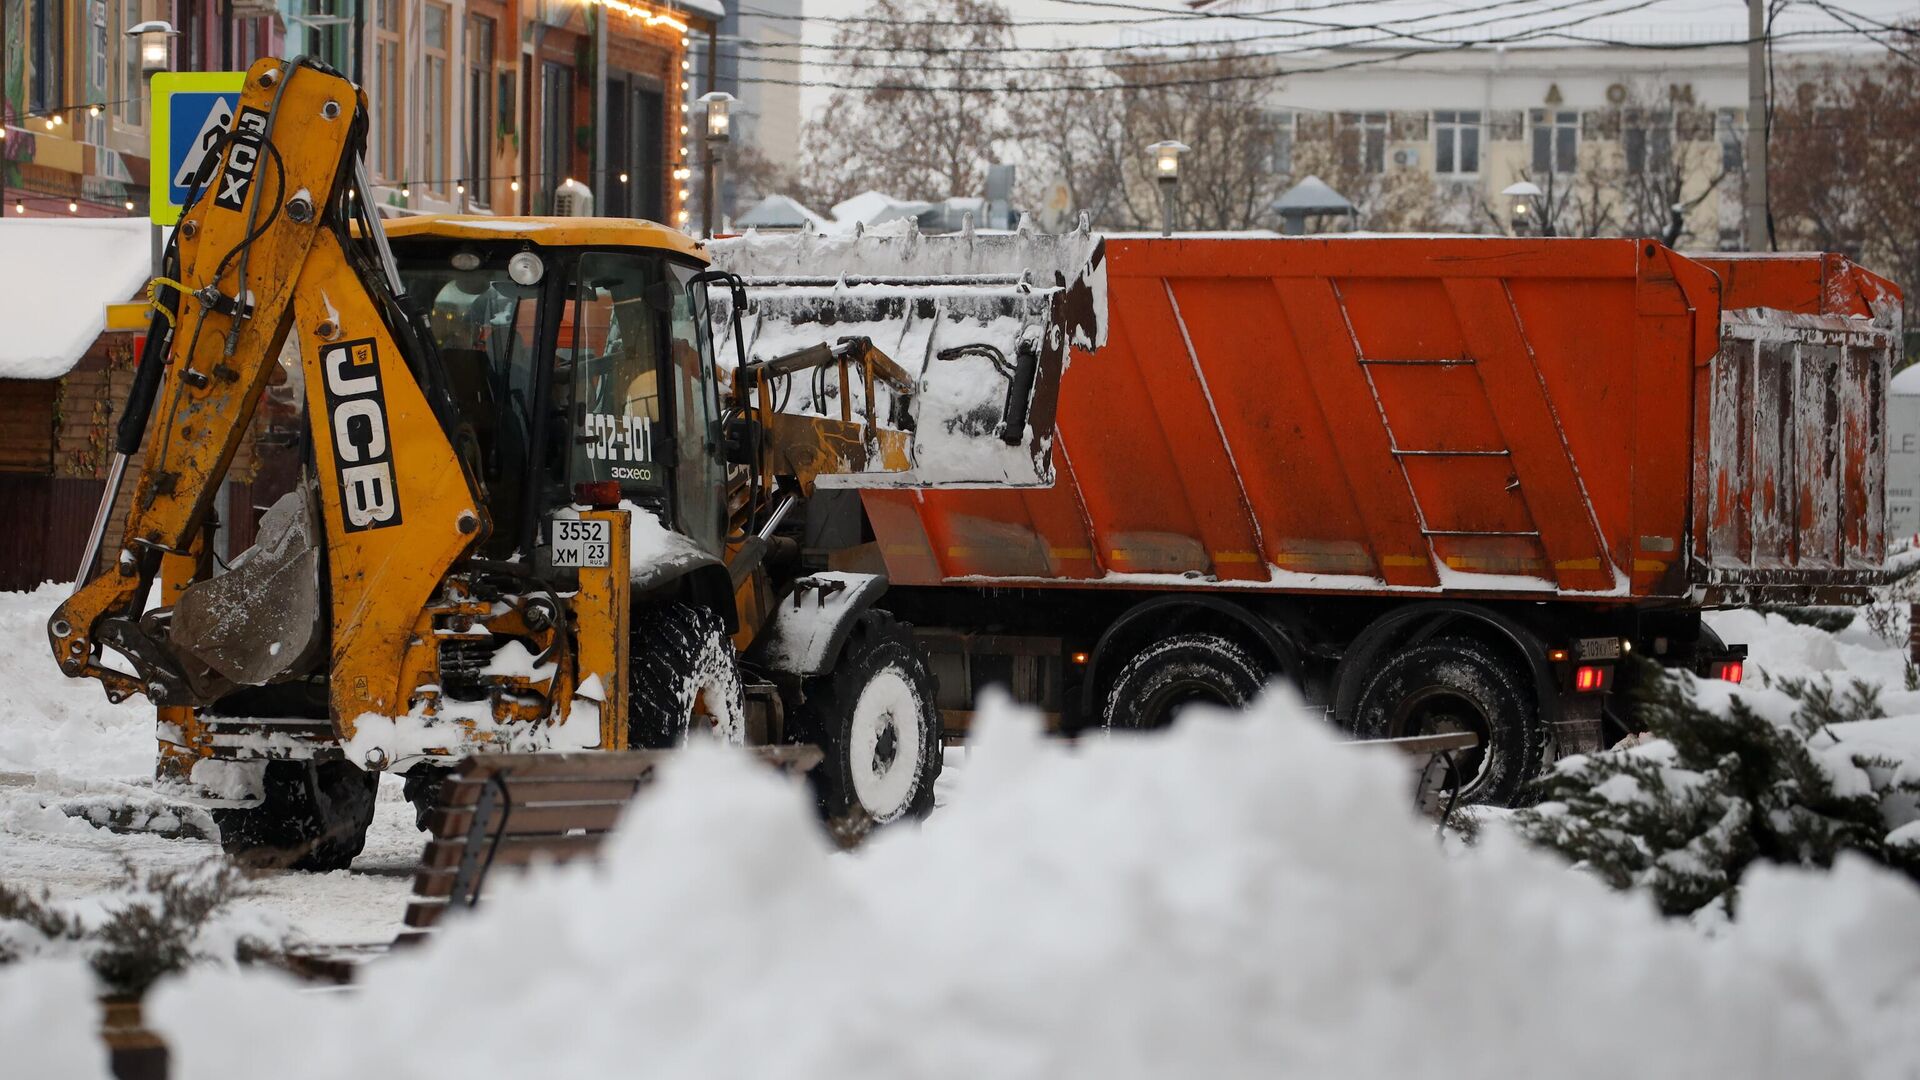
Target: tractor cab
<point x="579" y="358"/>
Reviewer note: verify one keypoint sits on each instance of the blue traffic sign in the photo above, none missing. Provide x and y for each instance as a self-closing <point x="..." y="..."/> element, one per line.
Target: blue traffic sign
<point x="190" y="110"/>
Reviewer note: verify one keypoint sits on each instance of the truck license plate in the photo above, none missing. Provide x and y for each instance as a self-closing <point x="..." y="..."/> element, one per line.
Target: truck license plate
<point x="582" y="543"/>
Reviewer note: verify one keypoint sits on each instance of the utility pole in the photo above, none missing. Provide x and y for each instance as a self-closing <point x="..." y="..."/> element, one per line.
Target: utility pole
<point x="1756" y="211"/>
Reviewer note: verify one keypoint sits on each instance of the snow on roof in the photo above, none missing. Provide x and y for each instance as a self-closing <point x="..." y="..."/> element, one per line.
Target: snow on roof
<point x="874" y="207"/>
<point x="780" y="212"/>
<point x="56" y="281"/>
<point x="1411" y="24"/>
<point x="1906" y="382"/>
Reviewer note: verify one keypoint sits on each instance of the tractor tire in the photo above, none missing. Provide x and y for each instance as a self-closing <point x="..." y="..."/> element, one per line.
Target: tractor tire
<point x="314" y="817"/>
<point x="876" y="719"/>
<point x="1459" y="684"/>
<point x="682" y="666"/>
<point x="1185" y="669"/>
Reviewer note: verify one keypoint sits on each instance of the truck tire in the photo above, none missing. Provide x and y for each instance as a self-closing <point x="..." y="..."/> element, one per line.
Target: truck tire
<point x="1458" y="684"/>
<point x="1174" y="672"/>
<point x="682" y="665"/>
<point x="875" y="718"/>
<point x="314" y="817"/>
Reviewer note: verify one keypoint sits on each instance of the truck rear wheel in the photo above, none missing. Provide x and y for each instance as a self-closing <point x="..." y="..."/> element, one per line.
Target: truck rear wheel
<point x="314" y="817"/>
<point x="1186" y="669"/>
<point x="876" y="720"/>
<point x="1457" y="684"/>
<point x="682" y="666"/>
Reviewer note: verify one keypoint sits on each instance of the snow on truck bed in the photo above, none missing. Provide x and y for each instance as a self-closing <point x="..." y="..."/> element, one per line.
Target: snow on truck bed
<point x="1239" y="897"/>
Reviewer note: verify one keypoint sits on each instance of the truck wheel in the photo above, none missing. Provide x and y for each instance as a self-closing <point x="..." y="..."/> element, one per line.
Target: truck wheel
<point x="876" y="720"/>
<point x="314" y="817"/>
<point x="682" y="666"/>
<point x="1178" y="671"/>
<point x="1457" y="684"/>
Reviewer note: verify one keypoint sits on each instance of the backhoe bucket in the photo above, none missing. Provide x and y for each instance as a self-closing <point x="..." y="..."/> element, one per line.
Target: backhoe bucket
<point x="981" y="322"/>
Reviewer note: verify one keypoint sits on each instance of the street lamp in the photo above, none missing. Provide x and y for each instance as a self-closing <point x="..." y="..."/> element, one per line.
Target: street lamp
<point x="719" y="130"/>
<point x="1166" y="169"/>
<point x="155" y="37"/>
<point x="156" y="44"/>
<point x="1522" y="199"/>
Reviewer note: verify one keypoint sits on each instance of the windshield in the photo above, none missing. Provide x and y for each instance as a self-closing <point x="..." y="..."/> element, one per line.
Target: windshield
<point x="628" y="394"/>
<point x="484" y="325"/>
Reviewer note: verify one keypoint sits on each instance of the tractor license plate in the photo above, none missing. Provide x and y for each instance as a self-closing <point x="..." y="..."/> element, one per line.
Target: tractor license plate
<point x="582" y="543"/>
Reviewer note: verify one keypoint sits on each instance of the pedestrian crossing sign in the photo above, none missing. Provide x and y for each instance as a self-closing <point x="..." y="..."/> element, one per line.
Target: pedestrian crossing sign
<point x="190" y="109"/>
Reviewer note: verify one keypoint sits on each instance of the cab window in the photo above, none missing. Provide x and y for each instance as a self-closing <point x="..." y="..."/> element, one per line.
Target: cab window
<point x="608" y="352"/>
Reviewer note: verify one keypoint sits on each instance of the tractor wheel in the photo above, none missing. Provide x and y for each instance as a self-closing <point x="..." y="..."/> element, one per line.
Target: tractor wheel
<point x="1458" y="684"/>
<point x="1174" y="672"/>
<point x="314" y="817"/>
<point x="681" y="669"/>
<point x="876" y="720"/>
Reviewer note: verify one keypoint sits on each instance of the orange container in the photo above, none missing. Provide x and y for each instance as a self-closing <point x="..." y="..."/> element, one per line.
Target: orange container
<point x="1474" y="416"/>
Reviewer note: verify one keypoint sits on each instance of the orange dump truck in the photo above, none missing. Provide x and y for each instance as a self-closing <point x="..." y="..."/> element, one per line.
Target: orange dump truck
<point x="1435" y="483"/>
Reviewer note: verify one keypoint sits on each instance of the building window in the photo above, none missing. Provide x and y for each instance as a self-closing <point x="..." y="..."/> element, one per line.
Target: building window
<point x="434" y="92"/>
<point x="1363" y="141"/>
<point x="1647" y="138"/>
<point x="479" y="108"/>
<point x="47" y="89"/>
<point x="1556" y="141"/>
<point x="1456" y="143"/>
<point x="128" y="89"/>
<point x="388" y="118"/>
<point x="556" y="130"/>
<point x="1280" y="143"/>
<point x="1732" y="149"/>
<point x="328" y="32"/>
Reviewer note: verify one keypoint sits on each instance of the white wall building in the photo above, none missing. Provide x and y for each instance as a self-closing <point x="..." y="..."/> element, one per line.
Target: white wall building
<point x="1479" y="98"/>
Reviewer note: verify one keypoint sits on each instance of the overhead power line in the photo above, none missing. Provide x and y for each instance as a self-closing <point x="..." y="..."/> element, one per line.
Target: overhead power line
<point x="1201" y="58"/>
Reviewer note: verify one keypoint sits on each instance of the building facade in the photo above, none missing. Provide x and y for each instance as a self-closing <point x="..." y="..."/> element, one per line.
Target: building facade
<point x="755" y="58"/>
<point x="482" y="106"/>
<point x="1615" y="137"/>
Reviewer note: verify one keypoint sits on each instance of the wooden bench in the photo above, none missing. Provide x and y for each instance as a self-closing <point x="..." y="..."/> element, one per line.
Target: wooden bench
<point x="512" y="810"/>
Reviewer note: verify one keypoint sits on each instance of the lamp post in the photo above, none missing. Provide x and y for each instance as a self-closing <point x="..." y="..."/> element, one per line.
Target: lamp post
<point x="1166" y="170"/>
<point x="1523" y="206"/>
<point x="719" y="130"/>
<point x="155" y="38"/>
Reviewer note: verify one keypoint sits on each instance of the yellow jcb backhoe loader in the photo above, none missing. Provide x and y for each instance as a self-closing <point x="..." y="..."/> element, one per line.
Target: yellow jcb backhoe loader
<point x="526" y="487"/>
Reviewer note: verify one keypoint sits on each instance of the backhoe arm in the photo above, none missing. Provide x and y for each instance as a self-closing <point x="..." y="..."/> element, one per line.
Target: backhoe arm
<point x="279" y="241"/>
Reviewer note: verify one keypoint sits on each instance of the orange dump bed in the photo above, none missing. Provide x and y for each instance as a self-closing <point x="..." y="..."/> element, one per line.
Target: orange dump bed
<point x="1378" y="415"/>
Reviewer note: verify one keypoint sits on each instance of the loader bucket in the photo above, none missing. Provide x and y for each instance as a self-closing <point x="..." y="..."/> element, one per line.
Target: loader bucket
<point x="982" y="322"/>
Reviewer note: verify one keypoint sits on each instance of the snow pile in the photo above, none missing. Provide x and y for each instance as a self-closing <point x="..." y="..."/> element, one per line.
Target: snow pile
<point x="55" y="289"/>
<point x="50" y="1021"/>
<point x="1238" y="897"/>
<point x="53" y="727"/>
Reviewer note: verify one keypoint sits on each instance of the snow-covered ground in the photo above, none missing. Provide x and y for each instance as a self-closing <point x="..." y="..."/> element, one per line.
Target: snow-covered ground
<point x="1242" y="896"/>
<point x="61" y="744"/>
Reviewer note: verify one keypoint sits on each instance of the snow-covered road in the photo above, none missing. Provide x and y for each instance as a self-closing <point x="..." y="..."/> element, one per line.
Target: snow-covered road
<point x="61" y="743"/>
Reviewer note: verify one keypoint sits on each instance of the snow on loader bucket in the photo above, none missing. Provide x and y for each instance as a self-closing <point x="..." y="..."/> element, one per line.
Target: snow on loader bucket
<point x="980" y="323"/>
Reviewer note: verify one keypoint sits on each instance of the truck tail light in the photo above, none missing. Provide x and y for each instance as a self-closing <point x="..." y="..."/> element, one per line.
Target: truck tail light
<point x="1730" y="670"/>
<point x="1591" y="678"/>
